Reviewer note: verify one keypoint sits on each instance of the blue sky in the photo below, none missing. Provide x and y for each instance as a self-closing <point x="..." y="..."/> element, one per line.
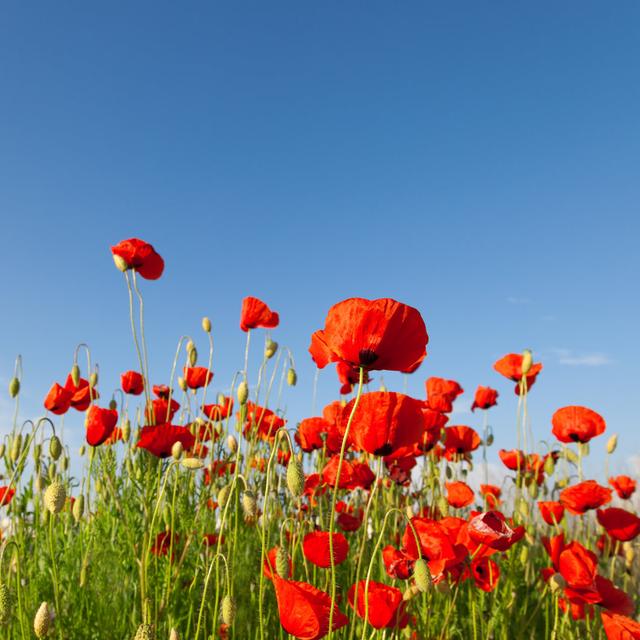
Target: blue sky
<point x="476" y="160"/>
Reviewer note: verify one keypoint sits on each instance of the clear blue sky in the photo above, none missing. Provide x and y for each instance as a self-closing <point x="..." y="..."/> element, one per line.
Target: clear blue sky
<point x="479" y="161"/>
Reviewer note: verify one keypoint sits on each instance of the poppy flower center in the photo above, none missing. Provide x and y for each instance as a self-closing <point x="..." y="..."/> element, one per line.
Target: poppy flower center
<point x="385" y="450"/>
<point x="367" y="357"/>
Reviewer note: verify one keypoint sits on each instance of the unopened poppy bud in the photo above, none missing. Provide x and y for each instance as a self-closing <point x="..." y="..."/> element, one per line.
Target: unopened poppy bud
<point x="14" y="387"/>
<point x="292" y="377"/>
<point x="40" y="483"/>
<point x="571" y="456"/>
<point x="489" y="439"/>
<point x="448" y="472"/>
<point x="243" y="392"/>
<point x="295" y="478"/>
<point x="174" y="635"/>
<point x="145" y="632"/>
<point x="557" y="582"/>
<point x="75" y="375"/>
<point x="182" y="383"/>
<point x="629" y="554"/>
<point x="249" y="504"/>
<point x="206" y="325"/>
<point x="177" y="449"/>
<point x="192" y="463"/>
<point x="126" y="429"/>
<point x="78" y="508"/>
<point x="409" y="511"/>
<point x="270" y="348"/>
<point x="193" y="357"/>
<point x="42" y="621"/>
<point x="120" y="263"/>
<point x="82" y="450"/>
<point x="64" y="463"/>
<point x="562" y="482"/>
<point x="228" y="610"/>
<point x="612" y="443"/>
<point x="113" y="405"/>
<point x="16" y="447"/>
<point x="549" y="466"/>
<point x="422" y="575"/>
<point x="189" y="346"/>
<point x="410" y="593"/>
<point x="37" y="453"/>
<point x="5" y="604"/>
<point x="533" y="489"/>
<point x="54" y="497"/>
<point x="53" y="470"/>
<point x="282" y="563"/>
<point x="524" y="554"/>
<point x="3" y="449"/>
<point x="223" y="495"/>
<point x="93" y="379"/>
<point x="232" y="443"/>
<point x="527" y="361"/>
<point x="55" y="447"/>
<point x="443" y="506"/>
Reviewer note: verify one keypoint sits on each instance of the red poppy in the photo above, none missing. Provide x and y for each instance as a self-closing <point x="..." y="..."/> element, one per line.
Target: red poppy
<point x="385" y="608"/>
<point x="100" y="424"/>
<point x="584" y="496"/>
<point x="197" y="377"/>
<point x="82" y="394"/>
<point x="140" y="256"/>
<point x="349" y="376"/>
<point x="619" y="627"/>
<point x="218" y="469"/>
<point x="304" y="610"/>
<point x="162" y="412"/>
<point x="551" y="512"/>
<point x="348" y="522"/>
<point x="459" y="494"/>
<point x="158" y="440"/>
<point x="486" y="573"/>
<point x="511" y="367"/>
<point x="211" y="539"/>
<point x="491" y="494"/>
<point x="397" y="564"/>
<point x="514" y="459"/>
<point x="58" y="400"/>
<point x="361" y="476"/>
<point x="485" y="398"/>
<point x="269" y="566"/>
<point x="441" y="394"/>
<point x="576" y="424"/>
<point x="261" y="421"/>
<point x="219" y="411"/>
<point x="132" y="383"/>
<point x="373" y="334"/>
<point x="614" y="599"/>
<point x="116" y="436"/>
<point x="161" y="391"/>
<point x="491" y="529"/>
<point x="164" y="542"/>
<point x="579" y="566"/>
<point x="315" y="546"/>
<point x="620" y="524"/>
<point x="311" y="433"/>
<point x="383" y="422"/>
<point x="459" y="441"/>
<point x="352" y="474"/>
<point x="256" y="313"/>
<point x="624" y="486"/>
<point x="6" y="495"/>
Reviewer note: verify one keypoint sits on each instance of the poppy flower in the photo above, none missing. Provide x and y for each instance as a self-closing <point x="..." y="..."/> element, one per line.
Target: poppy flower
<point x="132" y="383"/>
<point x="261" y="421"/>
<point x="486" y="573"/>
<point x="139" y="256"/>
<point x="158" y="440"/>
<point x="82" y="394"/>
<point x="514" y="459"/>
<point x="361" y="476"/>
<point x="373" y="334"/>
<point x="349" y="522"/>
<point x="441" y="393"/>
<point x="164" y="542"/>
<point x="576" y="424"/>
<point x="551" y="512"/>
<point x="255" y="314"/>
<point x="613" y="599"/>
<point x="459" y="494"/>
<point x="304" y="610"/>
<point x="620" y="524"/>
<point x="485" y="398"/>
<point x="491" y="494"/>
<point x="161" y="391"/>
<point x="315" y="547"/>
<point x="383" y="422"/>
<point x="197" y="377"/>
<point x="162" y="411"/>
<point x="58" y="400"/>
<point x="510" y="366"/>
<point x="619" y="627"/>
<point x="6" y="495"/>
<point x="397" y="564"/>
<point x="99" y="424"/>
<point x="349" y="376"/>
<point x="385" y="608"/>
<point x="211" y="539"/>
<point x="584" y="496"/>
<point x="624" y="486"/>
<point x="269" y="566"/>
<point x="579" y="566"/>
<point x="220" y="410"/>
<point x="459" y="441"/>
<point x="330" y="473"/>
<point x="311" y="434"/>
<point x="116" y="436"/>
<point x="218" y="469"/>
<point x="491" y="529"/>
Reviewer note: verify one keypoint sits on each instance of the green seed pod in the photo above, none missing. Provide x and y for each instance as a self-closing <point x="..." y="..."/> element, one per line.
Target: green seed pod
<point x="523" y="508"/>
<point x="527" y="361"/>
<point x="232" y="443"/>
<point x="249" y="505"/>
<point x="64" y="463"/>
<point x="612" y="443"/>
<point x="282" y="563"/>
<point x="16" y="448"/>
<point x="228" y="610"/>
<point x="126" y="429"/>
<point x="223" y="495"/>
<point x="270" y="348"/>
<point x="42" y="621"/>
<point x="243" y="392"/>
<point x="422" y="575"/>
<point x="14" y="387"/>
<point x="295" y="478"/>
<point x="206" y="325"/>
<point x="55" y="447"/>
<point x="78" y="508"/>
<point x="75" y="375"/>
<point x="54" y="497"/>
<point x="192" y="463"/>
<point x="145" y="632"/>
<point x="5" y="604"/>
<point x="292" y="377"/>
<point x="176" y="450"/>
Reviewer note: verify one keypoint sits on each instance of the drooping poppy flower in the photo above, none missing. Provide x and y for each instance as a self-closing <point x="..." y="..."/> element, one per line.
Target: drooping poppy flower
<point x="132" y="383"/>
<point x="491" y="494"/>
<point x="373" y="334"/>
<point x="6" y="495"/>
<point x="159" y="439"/>
<point x="584" y="496"/>
<point x="514" y="459"/>
<point x="255" y="314"/>
<point x="397" y="564"/>
<point x="58" y="400"/>
<point x="624" y="486"/>
<point x="579" y="566"/>
<point x="613" y="599"/>
<point x="220" y="410"/>
<point x="139" y="256"/>
<point x="99" y="424"/>
<point x="304" y="610"/>
<point x="485" y="398"/>
<point x="261" y="421"/>
<point x="441" y="394"/>
<point x="459" y="494"/>
<point x="384" y="609"/>
<point x="383" y="422"/>
<point x="486" y="573"/>
<point x="620" y="524"/>
<point x="82" y="393"/>
<point x="552" y="512"/>
<point x="577" y="424"/>
<point x="315" y="547"/>
<point x="510" y="366"/>
<point x="491" y="529"/>
<point x="619" y="627"/>
<point x="197" y="377"/>
<point x="269" y="566"/>
<point x="459" y="441"/>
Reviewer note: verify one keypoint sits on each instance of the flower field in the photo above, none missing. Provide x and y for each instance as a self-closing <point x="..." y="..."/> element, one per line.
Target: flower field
<point x="198" y="515"/>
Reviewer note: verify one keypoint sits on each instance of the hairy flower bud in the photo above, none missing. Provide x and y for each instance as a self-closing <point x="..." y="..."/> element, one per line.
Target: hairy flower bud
<point x="527" y="361"/>
<point x="232" y="443"/>
<point x="228" y="610"/>
<point x="282" y="563"/>
<point x="223" y="495"/>
<point x="249" y="505"/>
<point x="177" y="449"/>
<point x="612" y="443"/>
<point x="557" y="582"/>
<point x="192" y="463"/>
<point x="16" y="448"/>
<point x="270" y="348"/>
<point x="14" y="387"/>
<point x="206" y="325"/>
<point x="174" y="635"/>
<point x="126" y="429"/>
<point x="93" y="379"/>
<point x="55" y="447"/>
<point x="243" y="392"/>
<point x="182" y="383"/>
<point x="145" y="632"/>
<point x="295" y="478"/>
<point x="422" y="575"/>
<point x="42" y="621"/>
<point x="78" y="508"/>
<point x="54" y="497"/>
<point x="75" y="375"/>
<point x="5" y="604"/>
<point x="120" y="263"/>
<point x="292" y="377"/>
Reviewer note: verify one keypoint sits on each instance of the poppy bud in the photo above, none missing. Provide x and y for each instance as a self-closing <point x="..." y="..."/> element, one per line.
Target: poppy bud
<point x="282" y="563"/>
<point x="448" y="472"/>
<point x="174" y="635"/>
<point x="557" y="583"/>
<point x="75" y="375"/>
<point x="223" y="495"/>
<point x="52" y="471"/>
<point x="571" y="456"/>
<point x="206" y="325"/>
<point x="193" y="356"/>
<point x="271" y="346"/>
<point x="533" y="489"/>
<point x="410" y="593"/>
<point x="422" y="575"/>
<point x="113" y="405"/>
<point x="177" y="449"/>
<point x="249" y="504"/>
<point x="64" y="463"/>
<point x="192" y="463"/>
<point x="5" y="604"/>
<point x="78" y="508"/>
<point x="232" y="443"/>
<point x="629" y="554"/>
<point x="612" y="443"/>
<point x="489" y="439"/>
<point x="37" y="453"/>
<point x="55" y="447"/>
<point x="292" y="377"/>
<point x="182" y="383"/>
<point x="126" y="429"/>
<point x="409" y="511"/>
<point x="39" y="483"/>
<point x="562" y="482"/>
<point x="54" y="497"/>
<point x="14" y="387"/>
<point x="16" y="447"/>
<point x="295" y="478"/>
<point x="3" y="450"/>
<point x="524" y="554"/>
<point x="549" y="466"/>
<point x="527" y="361"/>
<point x="120" y="263"/>
<point x="42" y="621"/>
<point x="243" y="392"/>
<point x="523" y="508"/>
<point x="93" y="379"/>
<point x="228" y="610"/>
<point x="145" y="632"/>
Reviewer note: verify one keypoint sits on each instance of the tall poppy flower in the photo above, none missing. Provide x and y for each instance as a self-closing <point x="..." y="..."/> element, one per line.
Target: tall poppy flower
<point x="311" y="434"/>
<point x="383" y="422"/>
<point x="491" y="529"/>
<point x="315" y="547"/>
<point x="460" y="440"/>
<point x="620" y="524"/>
<point x="58" y="400"/>
<point x="83" y="394"/>
<point x="579" y="566"/>
<point x="304" y="610"/>
<point x="459" y="494"/>
<point x="485" y="398"/>
<point x="441" y="394"/>
<point x="385" y="608"/>
<point x="584" y="496"/>
<point x="491" y="494"/>
<point x="99" y="424"/>
<point x="624" y="486"/>
<point x="255" y="314"/>
<point x="514" y="459"/>
<point x="486" y="573"/>
<point x="397" y="564"/>
<point x="510" y="366"/>
<point x="551" y="512"/>
<point x="262" y="421"/>
<point x="132" y="383"/>
<point x="197" y="377"/>
<point x="220" y="410"/>
<point x="619" y="627"/>
<point x="577" y="424"/>
<point x="158" y="440"/>
<point x="6" y="495"/>
<point x="373" y="334"/>
<point x="161" y="410"/>
<point x="140" y="256"/>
